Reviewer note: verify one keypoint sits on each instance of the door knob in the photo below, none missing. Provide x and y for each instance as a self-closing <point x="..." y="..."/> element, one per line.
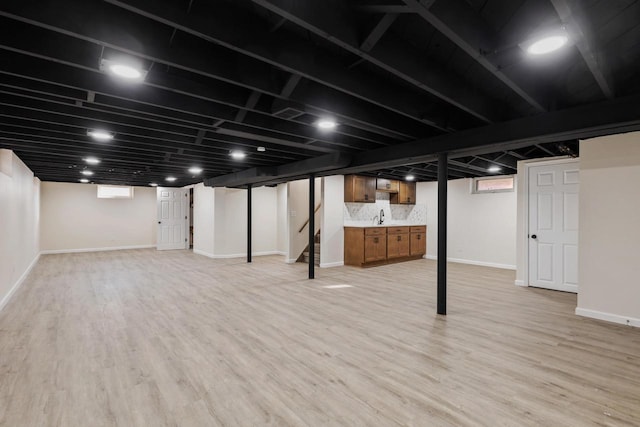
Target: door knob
<point x="159" y="222"/>
<point x="533" y="236"/>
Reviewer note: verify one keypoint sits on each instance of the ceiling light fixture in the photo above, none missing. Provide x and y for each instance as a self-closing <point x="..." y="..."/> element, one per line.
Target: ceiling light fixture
<point x="494" y="169"/>
<point x="92" y="160"/>
<point x="238" y="155"/>
<point x="261" y="149"/>
<point x="326" y="124"/>
<point x="84" y="180"/>
<point x="153" y="184"/>
<point x="86" y="172"/>
<point x="409" y="177"/>
<point x="195" y="170"/>
<point x="547" y="44"/>
<point x="171" y="178"/>
<point x="100" y="135"/>
<point x="126" y="70"/>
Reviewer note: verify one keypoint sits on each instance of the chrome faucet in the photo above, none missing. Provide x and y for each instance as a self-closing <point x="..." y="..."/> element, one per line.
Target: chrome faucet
<point x="381" y="217"/>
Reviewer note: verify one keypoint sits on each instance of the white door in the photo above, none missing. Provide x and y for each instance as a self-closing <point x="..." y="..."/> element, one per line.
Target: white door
<point x="172" y="218"/>
<point x="553" y="226"/>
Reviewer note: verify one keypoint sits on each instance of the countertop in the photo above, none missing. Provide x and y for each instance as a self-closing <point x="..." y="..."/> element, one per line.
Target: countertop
<point x="364" y="224"/>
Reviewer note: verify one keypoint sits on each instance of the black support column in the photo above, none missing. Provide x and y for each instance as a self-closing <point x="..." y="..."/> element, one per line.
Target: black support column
<point x="312" y="226"/>
<point x="442" y="233"/>
<point x="248" y="222"/>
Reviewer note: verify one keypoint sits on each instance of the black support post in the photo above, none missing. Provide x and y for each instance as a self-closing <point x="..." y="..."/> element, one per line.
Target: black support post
<point x="248" y="222"/>
<point x="442" y="233"/>
<point x="312" y="226"/>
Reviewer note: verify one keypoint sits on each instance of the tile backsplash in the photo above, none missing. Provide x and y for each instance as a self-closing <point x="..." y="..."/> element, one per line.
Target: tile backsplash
<point x="364" y="212"/>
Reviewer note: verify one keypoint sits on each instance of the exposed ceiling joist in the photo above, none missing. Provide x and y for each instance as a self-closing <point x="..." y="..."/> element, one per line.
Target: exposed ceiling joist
<point x="378" y="31"/>
<point x="460" y="24"/>
<point x="586" y="45"/>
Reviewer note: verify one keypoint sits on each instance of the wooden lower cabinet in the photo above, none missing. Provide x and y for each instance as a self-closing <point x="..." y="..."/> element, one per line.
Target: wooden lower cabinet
<point x="398" y="242"/>
<point x="418" y="244"/>
<point x="368" y="246"/>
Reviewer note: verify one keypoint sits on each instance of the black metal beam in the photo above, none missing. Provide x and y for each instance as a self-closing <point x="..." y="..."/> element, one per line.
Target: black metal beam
<point x="442" y="233"/>
<point x="382" y="8"/>
<point x="331" y="22"/>
<point x="378" y="31"/>
<point x="312" y="226"/>
<point x="460" y="24"/>
<point x="248" y="222"/>
<point x="585" y="42"/>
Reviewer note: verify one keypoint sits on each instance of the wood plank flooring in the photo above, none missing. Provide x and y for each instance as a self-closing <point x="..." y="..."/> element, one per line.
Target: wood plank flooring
<point x="146" y="338"/>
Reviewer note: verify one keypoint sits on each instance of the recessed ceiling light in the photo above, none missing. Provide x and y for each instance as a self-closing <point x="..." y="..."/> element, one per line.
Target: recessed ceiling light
<point x="125" y="71"/>
<point x="100" y="135"/>
<point x="86" y="173"/>
<point x="409" y="177"/>
<point x="195" y="170"/>
<point x="237" y="155"/>
<point x="494" y="169"/>
<point x="171" y="178"/>
<point x="261" y="149"/>
<point x="92" y="160"/>
<point x="153" y="184"/>
<point x="84" y="180"/>
<point x="547" y="44"/>
<point x="326" y="124"/>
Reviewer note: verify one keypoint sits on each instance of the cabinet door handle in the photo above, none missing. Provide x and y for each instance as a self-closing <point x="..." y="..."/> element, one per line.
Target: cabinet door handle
<point x="375" y="240"/>
<point x="419" y="235"/>
<point x="409" y="199"/>
<point x="399" y="238"/>
<point x="366" y="197"/>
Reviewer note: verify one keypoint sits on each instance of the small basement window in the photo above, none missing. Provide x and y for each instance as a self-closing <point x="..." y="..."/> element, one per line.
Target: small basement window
<point x="115" y="192"/>
<point x="494" y="184"/>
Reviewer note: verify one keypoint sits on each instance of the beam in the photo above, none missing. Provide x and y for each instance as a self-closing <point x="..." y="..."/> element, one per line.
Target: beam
<point x="248" y="222"/>
<point x="378" y="31"/>
<point x="442" y="233"/>
<point x="330" y="22"/>
<point x="382" y="8"/>
<point x="585" y="42"/>
<point x="250" y="104"/>
<point x="459" y="23"/>
<point x="312" y="226"/>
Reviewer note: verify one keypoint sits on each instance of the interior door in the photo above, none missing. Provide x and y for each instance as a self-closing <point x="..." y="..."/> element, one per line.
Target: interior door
<point x="172" y="218"/>
<point x="553" y="226"/>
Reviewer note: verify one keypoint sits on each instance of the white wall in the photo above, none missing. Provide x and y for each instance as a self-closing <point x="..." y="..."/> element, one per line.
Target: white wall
<point x="332" y="222"/>
<point x="220" y="221"/>
<point x="19" y="223"/>
<point x="609" y="236"/>
<point x="298" y="209"/>
<point x="283" y="223"/>
<point x="203" y="209"/>
<point x="481" y="227"/>
<point x="74" y="219"/>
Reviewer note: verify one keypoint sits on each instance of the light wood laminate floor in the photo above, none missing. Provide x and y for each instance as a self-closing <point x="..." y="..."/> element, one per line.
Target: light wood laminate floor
<point x="146" y="338"/>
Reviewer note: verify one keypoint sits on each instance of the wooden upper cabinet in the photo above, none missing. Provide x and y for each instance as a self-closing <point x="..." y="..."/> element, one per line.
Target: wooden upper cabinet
<point x="388" y="185"/>
<point x="360" y="189"/>
<point x="407" y="193"/>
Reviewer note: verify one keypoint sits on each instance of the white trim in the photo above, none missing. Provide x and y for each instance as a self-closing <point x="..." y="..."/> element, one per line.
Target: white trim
<point x="472" y="262"/>
<point x="609" y="317"/>
<point x="18" y="283"/>
<point x="291" y="260"/>
<point x="560" y="287"/>
<point x="111" y="248"/>
<point x="228" y="256"/>
<point x="520" y="283"/>
<point x="331" y="264"/>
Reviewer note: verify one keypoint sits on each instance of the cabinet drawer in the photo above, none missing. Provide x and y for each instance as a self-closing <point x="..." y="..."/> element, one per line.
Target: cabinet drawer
<point x="378" y="231"/>
<point x="420" y="229"/>
<point x="397" y="230"/>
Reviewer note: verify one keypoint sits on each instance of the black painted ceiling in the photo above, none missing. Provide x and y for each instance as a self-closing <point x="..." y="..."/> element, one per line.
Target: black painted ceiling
<point x="238" y="75"/>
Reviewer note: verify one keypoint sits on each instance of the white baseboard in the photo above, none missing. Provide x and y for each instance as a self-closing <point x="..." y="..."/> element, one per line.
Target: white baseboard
<point x="111" y="248"/>
<point x="331" y="264"/>
<point x="609" y="317"/>
<point x="471" y="262"/>
<point x="19" y="282"/>
<point x="520" y="283"/>
<point x="291" y="260"/>
<point x="227" y="256"/>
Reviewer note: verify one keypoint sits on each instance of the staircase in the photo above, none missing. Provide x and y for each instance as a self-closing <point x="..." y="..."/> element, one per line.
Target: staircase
<point x="316" y="248"/>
